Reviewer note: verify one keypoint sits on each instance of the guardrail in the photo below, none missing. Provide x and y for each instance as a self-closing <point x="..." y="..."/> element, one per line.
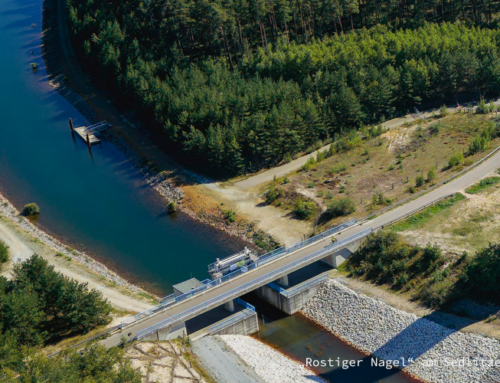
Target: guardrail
<point x="252" y="285"/>
<point x="432" y="188"/>
<point x="170" y="300"/>
<point x="300" y="287"/>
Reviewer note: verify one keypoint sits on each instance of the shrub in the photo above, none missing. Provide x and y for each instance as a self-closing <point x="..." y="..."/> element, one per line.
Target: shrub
<point x="338" y="168"/>
<point x="311" y="185"/>
<point x="341" y="207"/>
<point x="482" y="274"/>
<point x="287" y="158"/>
<point x="329" y="195"/>
<point x="230" y="216"/>
<point x="456" y="159"/>
<point x="172" y="207"/>
<point x="310" y="164"/>
<point x="419" y="181"/>
<point x="286" y="180"/>
<point x="304" y="210"/>
<point x="434" y="129"/>
<point x="443" y="111"/>
<point x="431" y="174"/>
<point x="477" y="145"/>
<point x="4" y="252"/>
<point x="31" y="209"/>
<point x="272" y="194"/>
<point x="380" y="199"/>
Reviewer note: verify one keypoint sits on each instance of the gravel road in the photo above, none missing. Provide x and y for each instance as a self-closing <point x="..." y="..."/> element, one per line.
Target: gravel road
<point x="221" y="363"/>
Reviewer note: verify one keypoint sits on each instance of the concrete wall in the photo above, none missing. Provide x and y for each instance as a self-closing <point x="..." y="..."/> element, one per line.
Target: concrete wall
<point x="339" y="257"/>
<point x="288" y="305"/>
<point x="168" y="333"/>
<point x="246" y="326"/>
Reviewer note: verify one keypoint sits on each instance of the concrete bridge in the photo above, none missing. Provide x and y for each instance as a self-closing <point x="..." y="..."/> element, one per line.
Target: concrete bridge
<point x="169" y="322"/>
<point x="164" y="322"/>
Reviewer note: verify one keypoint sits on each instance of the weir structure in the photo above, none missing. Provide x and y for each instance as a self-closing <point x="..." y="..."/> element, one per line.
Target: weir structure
<point x="268" y="276"/>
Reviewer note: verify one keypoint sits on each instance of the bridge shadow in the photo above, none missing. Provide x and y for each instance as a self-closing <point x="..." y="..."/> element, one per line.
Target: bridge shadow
<point x="405" y="347"/>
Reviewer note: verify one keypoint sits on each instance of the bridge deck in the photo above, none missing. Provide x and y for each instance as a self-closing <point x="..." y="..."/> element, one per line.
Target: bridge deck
<point x="244" y="282"/>
<point x="390" y="216"/>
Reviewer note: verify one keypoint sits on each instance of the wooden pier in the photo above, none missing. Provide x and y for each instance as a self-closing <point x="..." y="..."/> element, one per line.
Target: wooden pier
<point x="87" y="133"/>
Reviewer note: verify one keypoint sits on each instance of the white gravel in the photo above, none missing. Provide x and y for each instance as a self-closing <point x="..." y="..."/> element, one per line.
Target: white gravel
<point x="379" y="329"/>
<point x="269" y="364"/>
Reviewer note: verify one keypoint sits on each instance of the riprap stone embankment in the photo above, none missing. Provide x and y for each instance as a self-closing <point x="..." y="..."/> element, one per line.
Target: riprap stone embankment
<point x="390" y="334"/>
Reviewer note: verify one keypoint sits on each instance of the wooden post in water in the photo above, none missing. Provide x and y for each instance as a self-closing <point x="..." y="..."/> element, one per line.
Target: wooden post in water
<point x="88" y="140"/>
<point x="71" y="125"/>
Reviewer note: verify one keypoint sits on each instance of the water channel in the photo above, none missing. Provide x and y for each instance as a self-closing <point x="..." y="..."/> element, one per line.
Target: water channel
<point x="99" y="203"/>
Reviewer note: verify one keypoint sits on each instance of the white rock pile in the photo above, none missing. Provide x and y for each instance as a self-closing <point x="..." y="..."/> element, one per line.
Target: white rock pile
<point x="439" y="354"/>
<point x="269" y="364"/>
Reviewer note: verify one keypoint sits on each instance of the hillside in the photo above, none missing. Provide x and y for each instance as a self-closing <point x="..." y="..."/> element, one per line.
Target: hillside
<point x="235" y="87"/>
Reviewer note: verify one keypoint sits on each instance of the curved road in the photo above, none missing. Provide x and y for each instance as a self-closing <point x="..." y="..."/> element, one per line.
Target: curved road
<point x="452" y="187"/>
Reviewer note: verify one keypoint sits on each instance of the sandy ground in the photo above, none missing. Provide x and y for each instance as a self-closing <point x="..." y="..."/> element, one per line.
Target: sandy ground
<point x="469" y="226"/>
<point x="21" y="247"/>
<point x="280" y="224"/>
<point x="162" y="362"/>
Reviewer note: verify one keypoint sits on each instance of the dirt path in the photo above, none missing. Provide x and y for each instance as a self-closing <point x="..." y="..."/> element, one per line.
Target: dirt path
<point x="21" y="247"/>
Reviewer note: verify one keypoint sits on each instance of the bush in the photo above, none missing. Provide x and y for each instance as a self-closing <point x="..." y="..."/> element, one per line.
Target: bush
<point x="172" y="207"/>
<point x="31" y="209"/>
<point x="310" y="164"/>
<point x="456" y="159"/>
<point x="230" y="216"/>
<point x="482" y="274"/>
<point x="434" y="129"/>
<point x="304" y="210"/>
<point x="443" y="111"/>
<point x="341" y="207"/>
<point x="338" y="168"/>
<point x="477" y="145"/>
<point x="431" y="174"/>
<point x="272" y="194"/>
<point x="419" y="181"/>
<point x="380" y="199"/>
<point x="4" y="252"/>
<point x="287" y="158"/>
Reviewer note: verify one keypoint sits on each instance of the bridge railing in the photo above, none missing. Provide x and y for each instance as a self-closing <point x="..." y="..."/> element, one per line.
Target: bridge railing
<point x="252" y="285"/>
<point x="264" y="259"/>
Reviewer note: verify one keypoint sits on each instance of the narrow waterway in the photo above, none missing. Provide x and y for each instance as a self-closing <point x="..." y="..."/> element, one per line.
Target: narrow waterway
<point x="98" y="202"/>
<point x="302" y="340"/>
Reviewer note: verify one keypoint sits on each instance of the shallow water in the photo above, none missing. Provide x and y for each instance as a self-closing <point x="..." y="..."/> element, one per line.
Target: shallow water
<point x="302" y="340"/>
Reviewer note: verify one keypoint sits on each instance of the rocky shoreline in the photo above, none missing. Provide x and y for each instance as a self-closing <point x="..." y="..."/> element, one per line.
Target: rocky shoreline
<point x="426" y="350"/>
<point x="10" y="212"/>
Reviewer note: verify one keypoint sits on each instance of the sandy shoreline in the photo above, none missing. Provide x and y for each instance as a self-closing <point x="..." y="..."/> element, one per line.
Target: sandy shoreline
<point x="24" y="238"/>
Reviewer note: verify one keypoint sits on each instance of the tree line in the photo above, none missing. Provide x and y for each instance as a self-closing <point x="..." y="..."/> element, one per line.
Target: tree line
<point x="247" y="84"/>
<point x="39" y="306"/>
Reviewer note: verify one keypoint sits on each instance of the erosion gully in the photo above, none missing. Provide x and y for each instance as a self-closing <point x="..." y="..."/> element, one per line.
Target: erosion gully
<point x="98" y="202"/>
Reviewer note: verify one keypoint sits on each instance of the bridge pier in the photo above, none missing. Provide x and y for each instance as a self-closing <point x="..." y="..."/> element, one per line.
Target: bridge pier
<point x="229" y="306"/>
<point x="284" y="281"/>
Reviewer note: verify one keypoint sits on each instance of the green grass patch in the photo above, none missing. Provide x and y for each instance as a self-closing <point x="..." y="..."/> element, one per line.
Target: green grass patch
<point x="419" y="219"/>
<point x="483" y="184"/>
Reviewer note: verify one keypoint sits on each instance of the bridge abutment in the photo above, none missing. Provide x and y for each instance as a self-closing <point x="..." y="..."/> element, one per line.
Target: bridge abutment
<point x="292" y="300"/>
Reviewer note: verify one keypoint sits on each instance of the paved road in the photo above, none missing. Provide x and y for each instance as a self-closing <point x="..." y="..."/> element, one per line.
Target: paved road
<point x="458" y="184"/>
